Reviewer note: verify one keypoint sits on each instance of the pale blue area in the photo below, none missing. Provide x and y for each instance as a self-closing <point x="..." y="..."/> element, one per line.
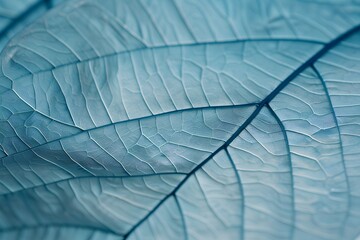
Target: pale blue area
<point x="178" y="119"/>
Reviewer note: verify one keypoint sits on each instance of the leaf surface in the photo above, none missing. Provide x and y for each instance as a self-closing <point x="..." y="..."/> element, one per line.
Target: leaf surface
<point x="15" y="15"/>
<point x="182" y="120"/>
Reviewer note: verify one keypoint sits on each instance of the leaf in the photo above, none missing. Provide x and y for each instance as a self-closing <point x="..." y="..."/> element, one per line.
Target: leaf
<point x="182" y="120"/>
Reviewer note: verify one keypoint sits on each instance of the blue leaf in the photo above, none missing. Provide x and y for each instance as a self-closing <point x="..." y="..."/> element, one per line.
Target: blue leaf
<point x="182" y="120"/>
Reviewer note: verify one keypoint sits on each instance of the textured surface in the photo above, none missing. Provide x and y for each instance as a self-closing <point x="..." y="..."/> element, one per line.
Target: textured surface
<point x="182" y="120"/>
<point x="15" y="15"/>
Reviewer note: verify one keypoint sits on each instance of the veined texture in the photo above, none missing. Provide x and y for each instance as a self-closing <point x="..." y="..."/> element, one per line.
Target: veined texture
<point x="186" y="119"/>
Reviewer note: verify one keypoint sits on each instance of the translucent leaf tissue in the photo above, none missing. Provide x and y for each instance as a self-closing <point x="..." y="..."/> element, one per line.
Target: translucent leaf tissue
<point x="179" y="119"/>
